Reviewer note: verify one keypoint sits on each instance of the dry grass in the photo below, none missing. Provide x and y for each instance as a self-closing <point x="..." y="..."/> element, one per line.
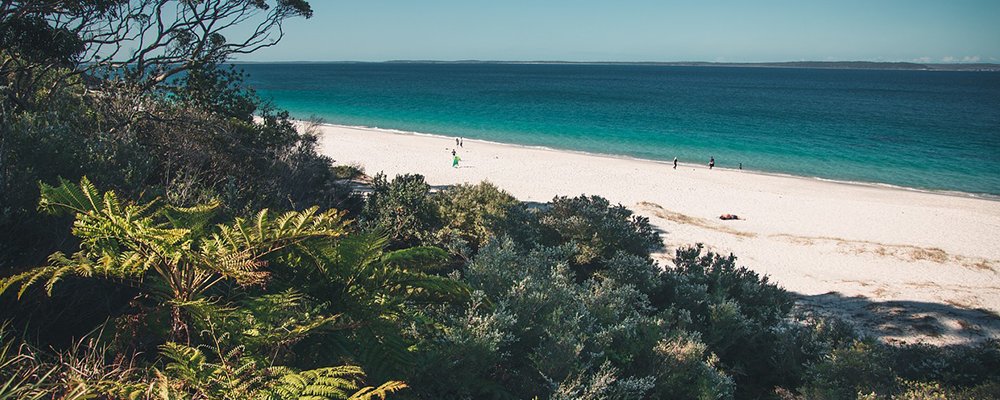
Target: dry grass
<point x="685" y="219"/>
<point x="982" y="264"/>
<point x="959" y="304"/>
<point x="903" y="252"/>
<point x="930" y="254"/>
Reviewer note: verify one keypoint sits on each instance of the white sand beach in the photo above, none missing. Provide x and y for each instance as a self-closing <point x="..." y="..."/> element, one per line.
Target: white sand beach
<point x="903" y="265"/>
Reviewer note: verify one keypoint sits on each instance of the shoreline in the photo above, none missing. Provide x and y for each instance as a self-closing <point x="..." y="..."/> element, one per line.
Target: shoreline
<point x="875" y="185"/>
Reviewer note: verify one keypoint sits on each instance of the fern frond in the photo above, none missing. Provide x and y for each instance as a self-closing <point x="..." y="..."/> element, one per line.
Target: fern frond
<point x="185" y="362"/>
<point x="195" y="218"/>
<point x="60" y="267"/>
<point x="426" y="287"/>
<point x="423" y="258"/>
<point x="382" y="392"/>
<point x="69" y="197"/>
<point x="241" y="266"/>
<point x="321" y="384"/>
<point x="266" y="235"/>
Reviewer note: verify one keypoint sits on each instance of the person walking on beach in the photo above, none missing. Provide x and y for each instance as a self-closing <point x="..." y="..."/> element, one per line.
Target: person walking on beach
<point x="461" y="142"/>
<point x="456" y="142"/>
<point x="452" y="152"/>
<point x="711" y="162"/>
<point x="675" y="162"/>
<point x="454" y="161"/>
<point x="741" y="166"/>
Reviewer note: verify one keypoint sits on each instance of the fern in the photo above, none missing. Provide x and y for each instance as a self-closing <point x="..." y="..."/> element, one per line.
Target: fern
<point x="234" y="376"/>
<point x="170" y="252"/>
<point x="382" y="392"/>
<point x="423" y="258"/>
<point x="323" y="383"/>
<point x="68" y="197"/>
<point x="196" y="218"/>
<point x="177" y="258"/>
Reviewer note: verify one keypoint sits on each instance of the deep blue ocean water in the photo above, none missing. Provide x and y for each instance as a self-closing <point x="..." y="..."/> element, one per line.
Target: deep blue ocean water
<point x="918" y="129"/>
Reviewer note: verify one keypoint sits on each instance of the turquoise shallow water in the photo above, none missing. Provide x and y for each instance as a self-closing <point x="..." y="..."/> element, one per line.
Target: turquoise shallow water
<point x="918" y="129"/>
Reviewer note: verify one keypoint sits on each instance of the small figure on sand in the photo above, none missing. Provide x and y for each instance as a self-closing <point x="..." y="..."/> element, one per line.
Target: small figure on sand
<point x="675" y="162"/>
<point x="726" y="217"/>
<point x="711" y="162"/>
<point x="456" y="142"/>
<point x="454" y="161"/>
<point x="453" y="152"/>
<point x="461" y="142"/>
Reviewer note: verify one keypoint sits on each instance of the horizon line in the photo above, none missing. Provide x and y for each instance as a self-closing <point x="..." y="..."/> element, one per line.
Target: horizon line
<point x="829" y="65"/>
<point x="997" y="63"/>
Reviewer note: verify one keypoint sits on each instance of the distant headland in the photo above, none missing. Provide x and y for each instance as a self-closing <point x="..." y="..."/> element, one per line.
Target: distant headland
<point x="869" y="65"/>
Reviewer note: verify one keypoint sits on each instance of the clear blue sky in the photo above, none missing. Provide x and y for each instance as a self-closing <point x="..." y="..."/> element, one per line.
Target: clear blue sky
<point x="640" y="30"/>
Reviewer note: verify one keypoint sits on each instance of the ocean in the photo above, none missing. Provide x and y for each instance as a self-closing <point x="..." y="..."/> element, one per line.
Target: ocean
<point x="930" y="130"/>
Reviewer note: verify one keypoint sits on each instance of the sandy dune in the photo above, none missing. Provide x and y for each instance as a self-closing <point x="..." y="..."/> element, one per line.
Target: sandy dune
<point x="904" y="265"/>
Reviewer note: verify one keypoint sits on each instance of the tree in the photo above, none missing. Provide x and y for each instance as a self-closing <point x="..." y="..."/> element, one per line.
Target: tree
<point x="134" y="94"/>
<point x="143" y="41"/>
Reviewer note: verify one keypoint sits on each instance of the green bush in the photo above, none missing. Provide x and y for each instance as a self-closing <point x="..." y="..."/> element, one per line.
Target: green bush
<point x="548" y="333"/>
<point x="790" y="347"/>
<point x="858" y="368"/>
<point x="737" y="313"/>
<point x="702" y="279"/>
<point x="352" y="171"/>
<point x="401" y="208"/>
<point x="872" y="370"/>
<point x="959" y="366"/>
<point x="629" y="269"/>
<point x="686" y="370"/>
<point x="473" y="213"/>
<point x="597" y="229"/>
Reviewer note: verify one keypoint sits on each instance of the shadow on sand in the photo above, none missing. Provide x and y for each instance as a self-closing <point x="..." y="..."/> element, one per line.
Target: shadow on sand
<point x="905" y="321"/>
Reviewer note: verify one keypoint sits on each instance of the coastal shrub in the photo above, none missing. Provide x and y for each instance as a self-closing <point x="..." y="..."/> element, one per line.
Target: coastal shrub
<point x="790" y="348"/>
<point x="597" y="229"/>
<point x="349" y="171"/>
<point x="738" y="314"/>
<point x="472" y="213"/>
<point x="871" y="370"/>
<point x="604" y="383"/>
<point x="640" y="272"/>
<point x="548" y="334"/>
<point x="401" y="208"/>
<point x="855" y="369"/>
<point x="685" y="369"/>
<point x="910" y="390"/>
<point x="468" y="356"/>
<point x="703" y="278"/>
<point x="954" y="366"/>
